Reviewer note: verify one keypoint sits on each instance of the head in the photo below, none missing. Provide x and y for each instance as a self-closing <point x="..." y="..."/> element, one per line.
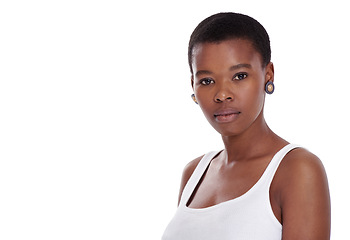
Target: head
<point x="229" y="56"/>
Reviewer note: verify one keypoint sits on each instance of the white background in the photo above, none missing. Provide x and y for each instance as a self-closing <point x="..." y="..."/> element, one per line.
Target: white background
<point x="97" y="123"/>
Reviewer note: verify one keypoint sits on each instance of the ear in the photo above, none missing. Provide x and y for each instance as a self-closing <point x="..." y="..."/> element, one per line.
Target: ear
<point x="269" y="73"/>
<point x="192" y="82"/>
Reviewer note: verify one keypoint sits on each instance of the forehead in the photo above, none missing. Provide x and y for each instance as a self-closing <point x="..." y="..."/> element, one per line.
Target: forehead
<point x="225" y="53"/>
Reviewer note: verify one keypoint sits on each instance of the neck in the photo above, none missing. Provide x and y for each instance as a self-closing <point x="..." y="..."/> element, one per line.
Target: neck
<point x="251" y="143"/>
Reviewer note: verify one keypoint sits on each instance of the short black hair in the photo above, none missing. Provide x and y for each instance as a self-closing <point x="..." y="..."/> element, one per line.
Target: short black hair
<point x="225" y="26"/>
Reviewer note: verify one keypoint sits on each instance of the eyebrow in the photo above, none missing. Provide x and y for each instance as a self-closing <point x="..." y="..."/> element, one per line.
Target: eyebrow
<point x="232" y="68"/>
<point x="242" y="65"/>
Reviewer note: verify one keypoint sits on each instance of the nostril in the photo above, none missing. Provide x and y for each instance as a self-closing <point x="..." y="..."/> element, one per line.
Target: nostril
<point x="223" y="99"/>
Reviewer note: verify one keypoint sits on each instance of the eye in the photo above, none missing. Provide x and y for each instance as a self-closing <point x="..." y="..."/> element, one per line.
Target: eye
<point x="206" y="81"/>
<point x="240" y="76"/>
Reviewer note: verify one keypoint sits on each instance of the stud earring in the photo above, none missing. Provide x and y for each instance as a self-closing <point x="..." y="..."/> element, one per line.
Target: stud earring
<point x="194" y="98"/>
<point x="269" y="87"/>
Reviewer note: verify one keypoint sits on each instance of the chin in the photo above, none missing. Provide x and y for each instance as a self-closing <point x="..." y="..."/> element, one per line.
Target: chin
<point x="229" y="131"/>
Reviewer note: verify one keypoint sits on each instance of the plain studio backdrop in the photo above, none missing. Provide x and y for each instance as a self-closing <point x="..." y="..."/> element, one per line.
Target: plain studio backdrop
<point x="97" y="122"/>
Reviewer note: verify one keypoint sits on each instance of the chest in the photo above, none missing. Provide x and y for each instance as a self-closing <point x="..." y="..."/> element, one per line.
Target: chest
<point x="219" y="184"/>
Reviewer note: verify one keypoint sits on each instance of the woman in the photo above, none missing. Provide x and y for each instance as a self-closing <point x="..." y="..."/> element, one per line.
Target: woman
<point x="259" y="186"/>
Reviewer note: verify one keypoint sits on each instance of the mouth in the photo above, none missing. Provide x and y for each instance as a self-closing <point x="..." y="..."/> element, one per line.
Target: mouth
<point x="227" y="115"/>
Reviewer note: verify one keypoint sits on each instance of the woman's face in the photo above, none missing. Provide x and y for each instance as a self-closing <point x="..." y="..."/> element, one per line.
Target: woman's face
<point x="228" y="81"/>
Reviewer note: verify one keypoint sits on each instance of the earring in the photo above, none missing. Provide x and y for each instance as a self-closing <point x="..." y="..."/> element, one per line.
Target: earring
<point x="269" y="87"/>
<point x="194" y="98"/>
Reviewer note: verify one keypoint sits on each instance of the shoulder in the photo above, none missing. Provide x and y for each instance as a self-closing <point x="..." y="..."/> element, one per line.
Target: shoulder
<point x="300" y="168"/>
<point x="187" y="173"/>
<point x="304" y="195"/>
<point x="301" y="165"/>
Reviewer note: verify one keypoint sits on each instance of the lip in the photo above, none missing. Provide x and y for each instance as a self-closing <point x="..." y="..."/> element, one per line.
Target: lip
<point x="226" y="115"/>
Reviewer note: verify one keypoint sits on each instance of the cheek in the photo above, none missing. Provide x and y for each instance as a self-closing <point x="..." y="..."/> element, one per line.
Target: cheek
<point x="253" y="98"/>
<point x="205" y="101"/>
<point x="203" y="95"/>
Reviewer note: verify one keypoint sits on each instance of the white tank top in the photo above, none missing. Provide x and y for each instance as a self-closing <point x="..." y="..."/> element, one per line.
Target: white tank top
<point x="247" y="217"/>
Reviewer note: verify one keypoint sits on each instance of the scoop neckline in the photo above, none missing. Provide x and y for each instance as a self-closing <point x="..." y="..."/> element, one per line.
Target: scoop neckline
<point x="241" y="197"/>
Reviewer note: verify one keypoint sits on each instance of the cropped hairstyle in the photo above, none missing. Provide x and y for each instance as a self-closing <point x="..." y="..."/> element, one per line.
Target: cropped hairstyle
<point x="226" y="26"/>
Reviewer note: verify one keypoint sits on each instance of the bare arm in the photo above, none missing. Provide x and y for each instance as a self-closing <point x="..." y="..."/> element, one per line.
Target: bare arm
<point x="305" y="200"/>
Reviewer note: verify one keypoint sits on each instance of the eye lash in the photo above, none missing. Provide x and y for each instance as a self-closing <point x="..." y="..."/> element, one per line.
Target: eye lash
<point x="205" y="79"/>
<point x="238" y="74"/>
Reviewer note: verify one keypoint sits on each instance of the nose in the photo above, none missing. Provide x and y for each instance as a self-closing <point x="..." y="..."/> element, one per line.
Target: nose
<point x="223" y="94"/>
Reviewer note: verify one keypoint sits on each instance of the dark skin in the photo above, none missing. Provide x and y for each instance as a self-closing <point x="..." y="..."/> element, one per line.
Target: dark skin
<point x="228" y="81"/>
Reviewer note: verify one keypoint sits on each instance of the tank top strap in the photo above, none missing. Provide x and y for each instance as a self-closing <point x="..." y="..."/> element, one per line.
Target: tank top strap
<point x="196" y="177"/>
<point x="275" y="162"/>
